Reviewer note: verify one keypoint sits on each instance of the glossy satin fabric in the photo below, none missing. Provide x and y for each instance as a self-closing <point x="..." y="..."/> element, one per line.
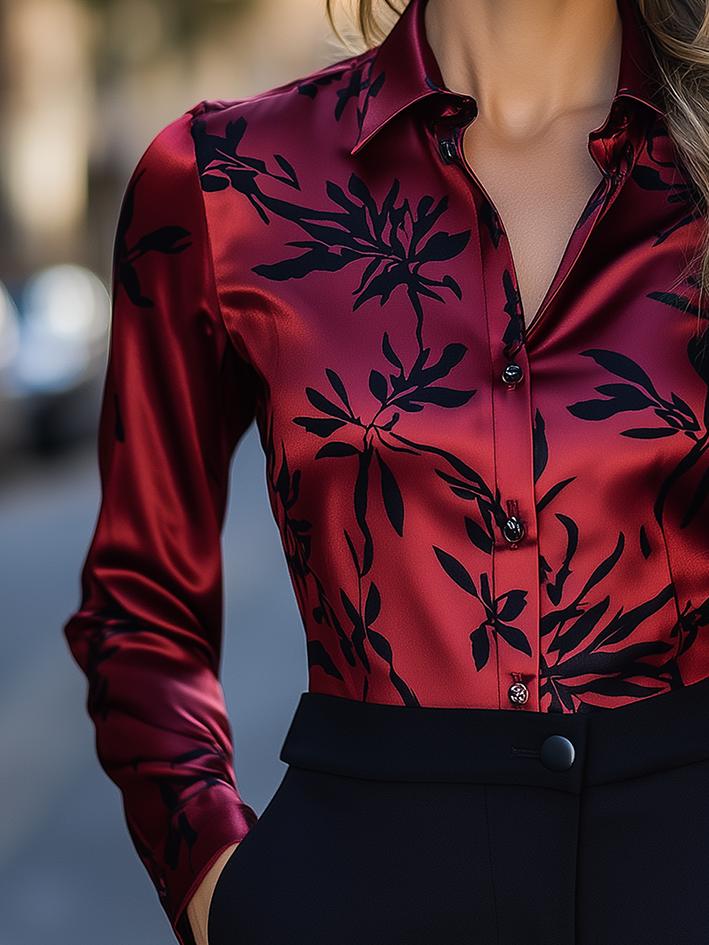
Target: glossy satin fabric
<point x="321" y="258"/>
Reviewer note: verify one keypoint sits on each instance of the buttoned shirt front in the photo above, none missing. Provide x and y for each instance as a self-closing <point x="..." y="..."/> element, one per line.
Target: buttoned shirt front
<point x="474" y="512"/>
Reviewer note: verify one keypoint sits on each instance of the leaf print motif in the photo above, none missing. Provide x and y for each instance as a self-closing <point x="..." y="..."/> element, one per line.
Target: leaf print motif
<point x="555" y="588"/>
<point x="540" y="447"/>
<point x="295" y="534"/>
<point x="586" y="640"/>
<point x="639" y="393"/>
<point x="111" y="624"/>
<point x="514" y="330"/>
<point x="221" y="165"/>
<point x="481" y="538"/>
<point x="296" y="543"/>
<point x="164" y="239"/>
<point x="596" y="198"/>
<point x="491" y="221"/>
<point x="395" y="242"/>
<point x="499" y="611"/>
<point x="361" y="496"/>
<point x="691" y="620"/>
<point x="286" y="487"/>
<point x="360" y="81"/>
<point x="314" y="84"/>
<point x="362" y="618"/>
<point x="181" y="834"/>
<point x="540" y="455"/>
<point x="623" y="366"/>
<point x="678" y="188"/>
<point x="358" y="87"/>
<point x="381" y="645"/>
<point x="409" y="391"/>
<point x="371" y="88"/>
<point x="644" y="542"/>
<point x="552" y="493"/>
<point x="676" y="300"/>
<point x="391" y="496"/>
<point x="471" y="487"/>
<point x="317" y="655"/>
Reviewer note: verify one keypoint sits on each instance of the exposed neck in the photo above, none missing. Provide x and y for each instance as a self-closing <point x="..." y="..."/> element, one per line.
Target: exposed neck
<point x="527" y="61"/>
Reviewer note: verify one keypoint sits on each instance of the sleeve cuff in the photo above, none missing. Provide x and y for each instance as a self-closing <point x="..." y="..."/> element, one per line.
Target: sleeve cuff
<point x="217" y="820"/>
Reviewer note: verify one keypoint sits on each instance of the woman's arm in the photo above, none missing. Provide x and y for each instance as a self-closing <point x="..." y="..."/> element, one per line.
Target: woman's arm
<point x="148" y="630"/>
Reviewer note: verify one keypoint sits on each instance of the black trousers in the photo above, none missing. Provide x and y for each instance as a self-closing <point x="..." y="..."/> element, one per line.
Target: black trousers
<point x="401" y="825"/>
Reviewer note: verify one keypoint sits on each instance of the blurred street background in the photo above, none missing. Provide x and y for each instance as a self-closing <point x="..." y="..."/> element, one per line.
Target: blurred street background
<point x="84" y="86"/>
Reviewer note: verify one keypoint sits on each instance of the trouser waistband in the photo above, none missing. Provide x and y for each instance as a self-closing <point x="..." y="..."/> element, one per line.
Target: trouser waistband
<point x="561" y="750"/>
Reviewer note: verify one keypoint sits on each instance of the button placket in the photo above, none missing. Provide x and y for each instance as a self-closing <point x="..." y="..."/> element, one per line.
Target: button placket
<point x="516" y="554"/>
<point x="514" y="566"/>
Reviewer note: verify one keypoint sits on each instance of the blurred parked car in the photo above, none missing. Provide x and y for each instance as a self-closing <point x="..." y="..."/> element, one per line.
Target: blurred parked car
<point x="59" y="365"/>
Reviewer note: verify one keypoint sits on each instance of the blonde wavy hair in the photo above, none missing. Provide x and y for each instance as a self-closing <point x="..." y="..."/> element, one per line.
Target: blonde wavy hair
<point x="678" y="34"/>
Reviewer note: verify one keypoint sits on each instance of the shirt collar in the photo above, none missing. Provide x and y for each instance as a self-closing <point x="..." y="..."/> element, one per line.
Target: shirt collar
<point x="404" y="70"/>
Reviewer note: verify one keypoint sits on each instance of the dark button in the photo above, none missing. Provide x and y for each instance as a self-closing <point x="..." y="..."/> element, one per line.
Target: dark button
<point x="447" y="149"/>
<point x="619" y="113"/>
<point x="512" y="373"/>
<point x="513" y="529"/>
<point x="467" y="106"/>
<point x="518" y="693"/>
<point x="557" y="753"/>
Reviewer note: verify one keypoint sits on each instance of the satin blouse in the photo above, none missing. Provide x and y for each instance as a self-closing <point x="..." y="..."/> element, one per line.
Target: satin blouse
<point x="473" y="512"/>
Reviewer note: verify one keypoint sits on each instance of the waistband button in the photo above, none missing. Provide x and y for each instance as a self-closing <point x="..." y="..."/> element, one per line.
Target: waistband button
<point x="557" y="753"/>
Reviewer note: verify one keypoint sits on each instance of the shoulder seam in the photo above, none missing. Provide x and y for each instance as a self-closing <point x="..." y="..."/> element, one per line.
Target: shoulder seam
<point x="220" y="104"/>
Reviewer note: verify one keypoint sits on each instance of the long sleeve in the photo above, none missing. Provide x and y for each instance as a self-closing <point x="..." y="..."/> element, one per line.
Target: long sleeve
<point x="177" y="397"/>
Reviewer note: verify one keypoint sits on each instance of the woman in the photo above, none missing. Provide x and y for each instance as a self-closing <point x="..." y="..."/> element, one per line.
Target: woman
<point x="456" y="279"/>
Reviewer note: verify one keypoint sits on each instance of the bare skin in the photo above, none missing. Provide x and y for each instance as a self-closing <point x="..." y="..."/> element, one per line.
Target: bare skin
<point x="198" y="906"/>
<point x="527" y="145"/>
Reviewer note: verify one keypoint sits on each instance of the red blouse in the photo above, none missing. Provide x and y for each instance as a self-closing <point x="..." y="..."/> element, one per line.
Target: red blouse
<point x="473" y="513"/>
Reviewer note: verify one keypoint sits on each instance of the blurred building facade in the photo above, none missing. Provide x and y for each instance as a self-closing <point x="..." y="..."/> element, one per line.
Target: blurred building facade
<point x="85" y="84"/>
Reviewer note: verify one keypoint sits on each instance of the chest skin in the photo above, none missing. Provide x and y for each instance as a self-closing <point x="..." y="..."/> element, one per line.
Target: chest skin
<point x="539" y="185"/>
